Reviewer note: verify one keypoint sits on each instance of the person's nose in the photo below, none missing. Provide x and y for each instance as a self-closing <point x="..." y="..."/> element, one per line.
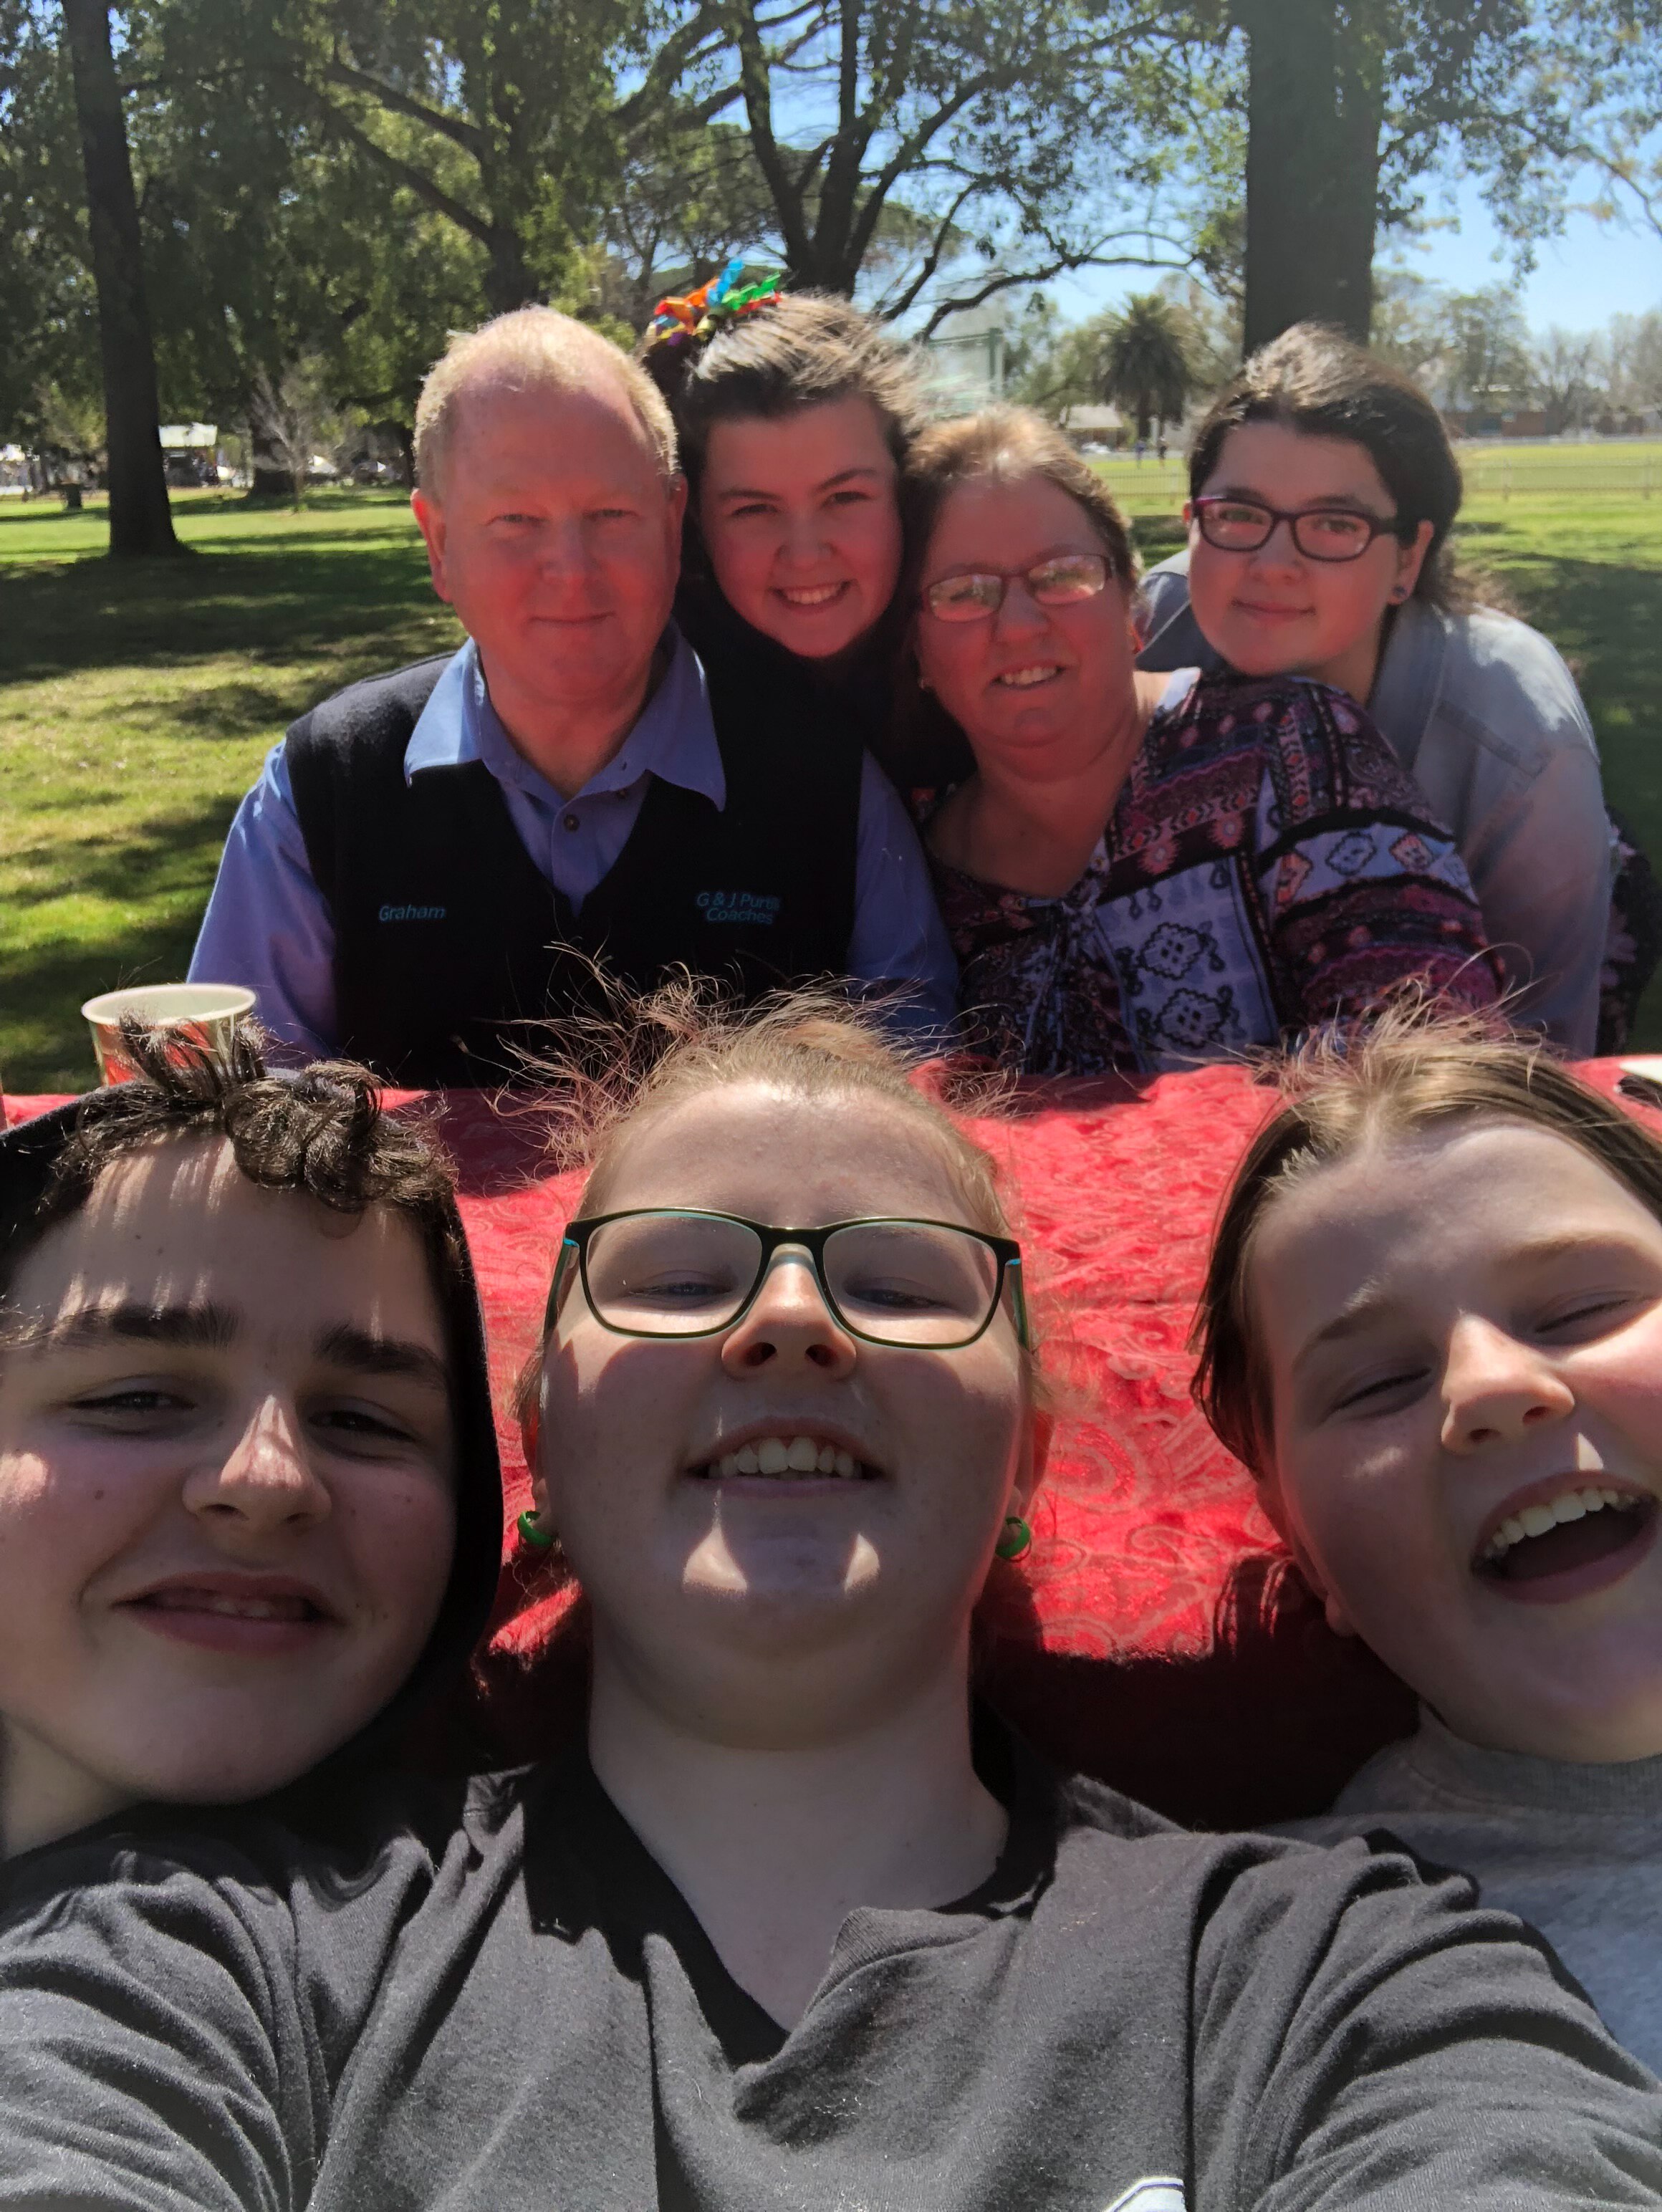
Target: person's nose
<point x="1279" y="551"/>
<point x="1019" y="616"/>
<point x="802" y="540"/>
<point x="1496" y="1388"/>
<point x="267" y="1480"/>
<point x="788" y="1324"/>
<point x="562" y="552"/>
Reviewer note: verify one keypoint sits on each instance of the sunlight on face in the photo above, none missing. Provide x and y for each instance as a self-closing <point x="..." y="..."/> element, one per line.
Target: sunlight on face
<point x="840" y="1582"/>
<point x="1463" y="1336"/>
<point x="801" y="521"/>
<point x="1035" y="686"/>
<point x="557" y="542"/>
<point x="1274" y="612"/>
<point x="226" y="1489"/>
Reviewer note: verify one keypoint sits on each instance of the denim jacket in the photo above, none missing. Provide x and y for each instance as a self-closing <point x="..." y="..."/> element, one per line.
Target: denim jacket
<point x="1485" y="718"/>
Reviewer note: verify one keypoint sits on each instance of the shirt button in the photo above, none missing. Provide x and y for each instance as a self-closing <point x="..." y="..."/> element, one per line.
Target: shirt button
<point x="570" y="821"/>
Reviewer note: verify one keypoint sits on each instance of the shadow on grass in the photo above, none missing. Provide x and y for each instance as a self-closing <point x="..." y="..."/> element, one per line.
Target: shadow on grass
<point x="164" y="865"/>
<point x="282" y="600"/>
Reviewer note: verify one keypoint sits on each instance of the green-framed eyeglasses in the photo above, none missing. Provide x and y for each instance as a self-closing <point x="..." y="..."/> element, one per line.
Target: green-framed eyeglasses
<point x="677" y="1271"/>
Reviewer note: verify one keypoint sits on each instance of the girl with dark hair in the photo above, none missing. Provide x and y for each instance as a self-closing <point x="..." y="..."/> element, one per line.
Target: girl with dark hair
<point x="1138" y="872"/>
<point x="1323" y="490"/>
<point x="796" y="1923"/>
<point x="794" y="412"/>
<point x="250" y="1509"/>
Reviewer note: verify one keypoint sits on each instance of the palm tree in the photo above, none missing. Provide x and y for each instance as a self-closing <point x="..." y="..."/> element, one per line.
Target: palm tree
<point x="1145" y="362"/>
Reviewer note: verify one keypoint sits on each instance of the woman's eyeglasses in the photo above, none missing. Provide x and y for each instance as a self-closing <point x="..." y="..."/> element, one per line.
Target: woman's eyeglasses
<point x="1320" y="534"/>
<point x="1055" y="583"/>
<point x="670" y="1271"/>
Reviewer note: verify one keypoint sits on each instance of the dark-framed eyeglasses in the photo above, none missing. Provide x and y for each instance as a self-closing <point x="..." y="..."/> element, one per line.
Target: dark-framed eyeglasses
<point x="1320" y="534"/>
<point x="676" y="1271"/>
<point x="1056" y="582"/>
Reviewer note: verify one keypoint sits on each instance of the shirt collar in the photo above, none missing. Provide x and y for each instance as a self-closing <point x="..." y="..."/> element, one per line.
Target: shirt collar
<point x="673" y="736"/>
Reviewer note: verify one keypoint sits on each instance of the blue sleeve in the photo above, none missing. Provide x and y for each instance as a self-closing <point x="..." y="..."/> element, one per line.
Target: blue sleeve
<point x="899" y="939"/>
<point x="1172" y="638"/>
<point x="268" y="926"/>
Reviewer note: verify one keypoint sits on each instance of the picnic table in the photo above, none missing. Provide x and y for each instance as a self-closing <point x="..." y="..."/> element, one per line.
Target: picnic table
<point x="1156" y="1635"/>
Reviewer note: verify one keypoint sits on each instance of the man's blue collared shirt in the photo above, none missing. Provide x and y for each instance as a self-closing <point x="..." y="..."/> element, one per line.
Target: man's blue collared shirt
<point x="268" y="926"/>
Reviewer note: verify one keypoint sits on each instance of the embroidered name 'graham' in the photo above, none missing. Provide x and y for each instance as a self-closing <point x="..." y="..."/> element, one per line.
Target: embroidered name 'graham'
<point x="412" y="913"/>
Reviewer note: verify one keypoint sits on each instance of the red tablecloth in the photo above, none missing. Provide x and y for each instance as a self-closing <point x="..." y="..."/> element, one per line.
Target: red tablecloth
<point x="1155" y="1635"/>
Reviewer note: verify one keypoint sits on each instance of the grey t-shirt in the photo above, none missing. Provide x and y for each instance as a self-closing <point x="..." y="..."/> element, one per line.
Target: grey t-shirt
<point x="1574" y="1849"/>
<point x="519" y="2010"/>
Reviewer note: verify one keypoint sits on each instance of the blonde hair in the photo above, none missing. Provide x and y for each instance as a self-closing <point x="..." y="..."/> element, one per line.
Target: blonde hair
<point x="615" y="1072"/>
<point x="532" y="348"/>
<point x="1418" y="1068"/>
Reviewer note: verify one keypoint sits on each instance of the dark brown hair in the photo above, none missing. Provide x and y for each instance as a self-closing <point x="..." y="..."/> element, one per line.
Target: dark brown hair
<point x="1415" y="1070"/>
<point x="804" y="350"/>
<point x="320" y="1130"/>
<point x="1316" y="381"/>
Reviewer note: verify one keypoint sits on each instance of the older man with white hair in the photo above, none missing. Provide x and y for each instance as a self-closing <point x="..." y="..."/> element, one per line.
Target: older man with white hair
<point x="433" y="858"/>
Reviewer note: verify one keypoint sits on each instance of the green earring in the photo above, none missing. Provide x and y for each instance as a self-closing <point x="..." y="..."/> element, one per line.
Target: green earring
<point x="540" y="1539"/>
<point x="1016" y="1539"/>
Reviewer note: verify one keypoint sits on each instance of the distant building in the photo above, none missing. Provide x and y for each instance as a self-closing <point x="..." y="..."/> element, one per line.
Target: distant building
<point x="969" y="352"/>
<point x="190" y="452"/>
<point x="1095" y="425"/>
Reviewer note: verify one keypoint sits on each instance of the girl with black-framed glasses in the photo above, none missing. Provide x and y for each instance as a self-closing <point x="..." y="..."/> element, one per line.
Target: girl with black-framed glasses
<point x="797" y="1924"/>
<point x="1324" y="494"/>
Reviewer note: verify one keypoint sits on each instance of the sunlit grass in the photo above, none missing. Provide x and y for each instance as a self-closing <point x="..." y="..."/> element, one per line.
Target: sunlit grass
<point x="139" y="700"/>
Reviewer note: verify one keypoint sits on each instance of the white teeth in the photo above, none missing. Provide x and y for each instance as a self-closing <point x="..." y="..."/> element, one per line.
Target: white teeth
<point x="1021" y="677"/>
<point x="814" y="596"/>
<point x="233" y="1608"/>
<point x="1568" y="1505"/>
<point x="792" y="1458"/>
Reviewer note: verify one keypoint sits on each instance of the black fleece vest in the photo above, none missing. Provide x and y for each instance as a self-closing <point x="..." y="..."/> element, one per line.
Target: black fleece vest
<point x="448" y="938"/>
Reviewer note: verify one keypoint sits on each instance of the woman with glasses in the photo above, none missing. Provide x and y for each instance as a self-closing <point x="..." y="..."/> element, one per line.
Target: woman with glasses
<point x="1323" y="491"/>
<point x="1139" y="871"/>
<point x="796" y="1926"/>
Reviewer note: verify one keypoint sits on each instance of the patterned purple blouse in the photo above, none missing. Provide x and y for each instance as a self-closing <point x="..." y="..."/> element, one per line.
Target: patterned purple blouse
<point x="1268" y="866"/>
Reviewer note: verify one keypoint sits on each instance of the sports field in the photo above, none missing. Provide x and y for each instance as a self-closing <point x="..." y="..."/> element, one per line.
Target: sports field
<point x="137" y="703"/>
<point x="1502" y="469"/>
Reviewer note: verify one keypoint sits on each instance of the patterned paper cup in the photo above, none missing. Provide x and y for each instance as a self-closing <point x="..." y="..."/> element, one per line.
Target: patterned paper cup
<point x="207" y="1012"/>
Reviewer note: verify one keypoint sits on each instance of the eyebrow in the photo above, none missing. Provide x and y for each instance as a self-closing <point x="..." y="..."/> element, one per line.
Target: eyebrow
<point x="829" y="483"/>
<point x="83" y="1328"/>
<point x="367" y="1354"/>
<point x="1354" y="502"/>
<point x="1367" y="1307"/>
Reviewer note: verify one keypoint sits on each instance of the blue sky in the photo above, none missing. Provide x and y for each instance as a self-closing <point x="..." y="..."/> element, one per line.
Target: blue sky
<point x="1580" y="279"/>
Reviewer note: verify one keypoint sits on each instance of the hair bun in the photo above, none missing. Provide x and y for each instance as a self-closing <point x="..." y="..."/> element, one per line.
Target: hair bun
<point x="682" y="327"/>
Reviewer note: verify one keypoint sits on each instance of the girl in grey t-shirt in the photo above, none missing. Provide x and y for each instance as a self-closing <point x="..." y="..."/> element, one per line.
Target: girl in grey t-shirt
<point x="1432" y="1329"/>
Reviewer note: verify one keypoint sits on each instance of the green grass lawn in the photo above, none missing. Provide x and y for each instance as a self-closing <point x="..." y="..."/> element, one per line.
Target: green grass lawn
<point x="139" y="701"/>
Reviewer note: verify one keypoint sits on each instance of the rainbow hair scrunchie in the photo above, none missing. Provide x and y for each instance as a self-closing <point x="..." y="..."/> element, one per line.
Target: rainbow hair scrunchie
<point x="679" y="324"/>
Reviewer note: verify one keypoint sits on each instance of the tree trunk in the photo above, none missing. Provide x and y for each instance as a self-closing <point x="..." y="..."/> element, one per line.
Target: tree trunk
<point x="1312" y="161"/>
<point x="140" y="520"/>
<point x="507" y="283"/>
